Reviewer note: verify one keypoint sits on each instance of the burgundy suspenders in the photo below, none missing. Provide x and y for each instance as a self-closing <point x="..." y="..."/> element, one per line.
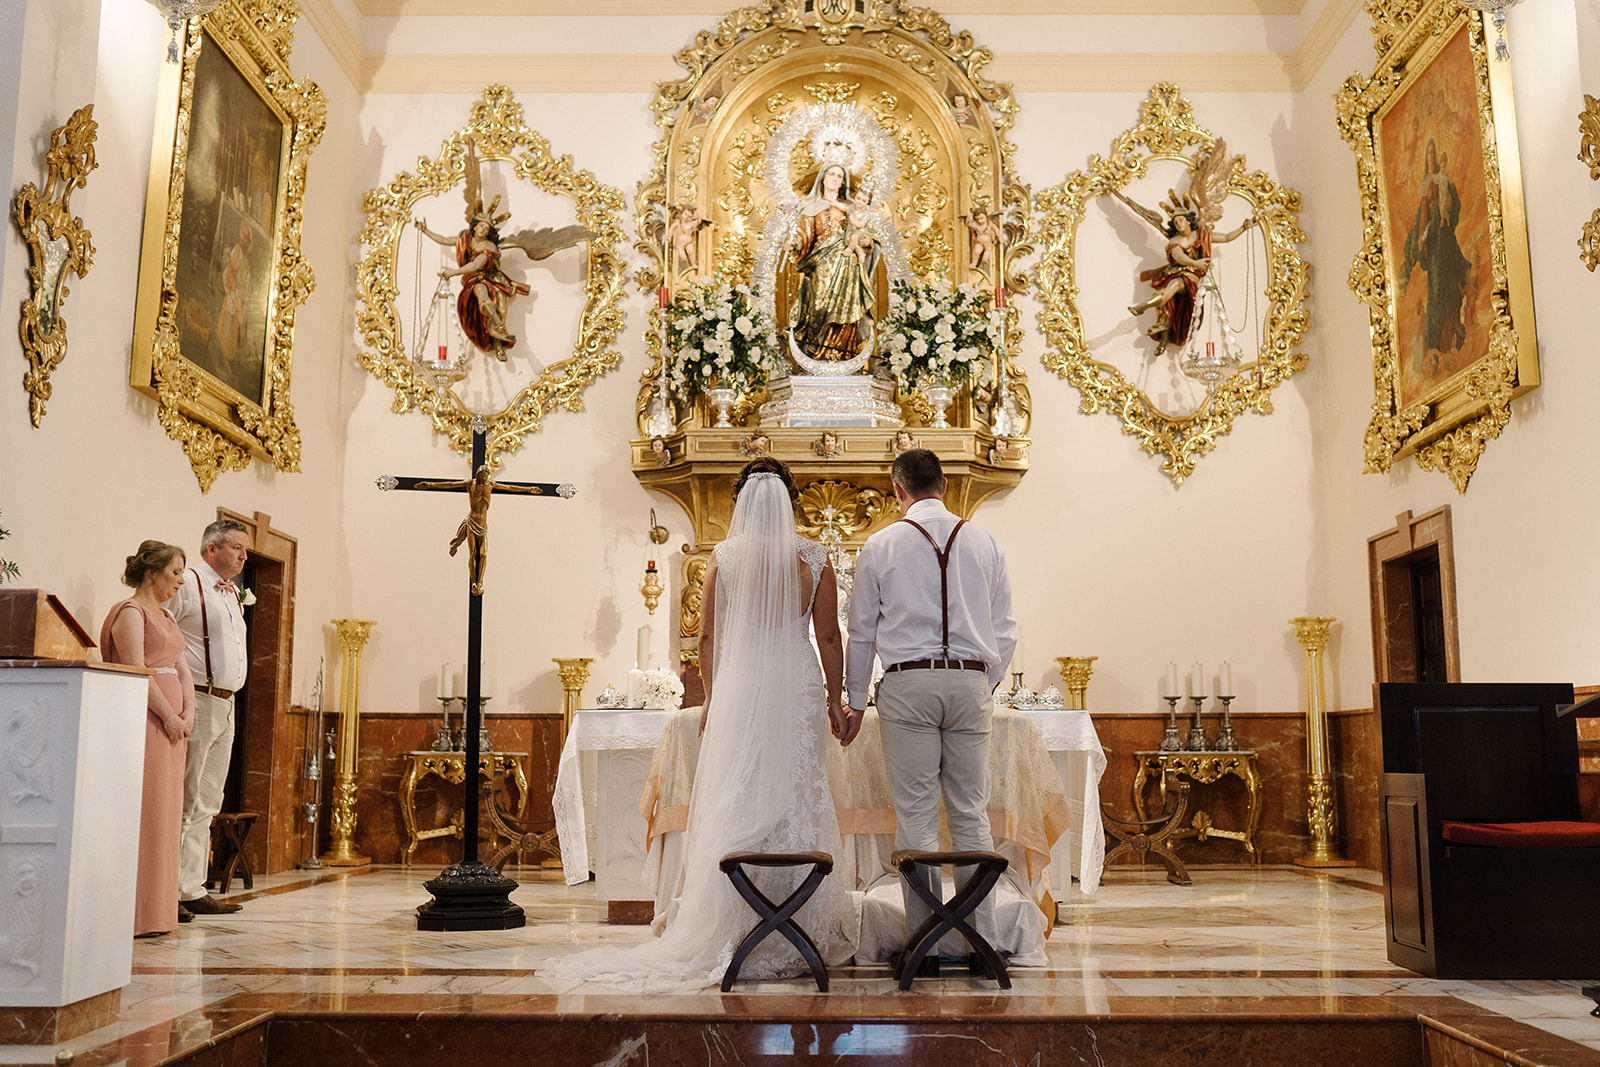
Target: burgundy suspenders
<point x="205" y="625"/>
<point x="944" y="579"/>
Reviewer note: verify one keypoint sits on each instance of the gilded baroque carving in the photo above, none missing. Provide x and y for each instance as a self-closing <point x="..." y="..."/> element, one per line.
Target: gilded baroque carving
<point x="58" y="242"/>
<point x="497" y="129"/>
<point x="845" y="507"/>
<point x="1167" y="130"/>
<point x="1447" y="427"/>
<point x="1589" y="155"/>
<point x="219" y="426"/>
<point x="762" y="62"/>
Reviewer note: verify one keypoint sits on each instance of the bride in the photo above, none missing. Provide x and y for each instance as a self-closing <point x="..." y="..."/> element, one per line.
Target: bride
<point x="761" y="782"/>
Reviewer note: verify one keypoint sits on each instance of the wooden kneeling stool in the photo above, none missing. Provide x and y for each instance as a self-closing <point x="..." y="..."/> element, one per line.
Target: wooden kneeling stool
<point x="779" y="917"/>
<point x="1152" y="837"/>
<point x="953" y="915"/>
<point x="228" y="832"/>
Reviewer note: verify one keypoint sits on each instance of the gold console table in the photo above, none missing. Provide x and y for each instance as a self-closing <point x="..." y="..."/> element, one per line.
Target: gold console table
<point x="452" y="767"/>
<point x="1206" y="768"/>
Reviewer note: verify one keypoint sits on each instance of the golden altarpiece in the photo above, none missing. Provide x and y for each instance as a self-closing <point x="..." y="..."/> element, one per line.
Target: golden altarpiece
<point x="707" y="209"/>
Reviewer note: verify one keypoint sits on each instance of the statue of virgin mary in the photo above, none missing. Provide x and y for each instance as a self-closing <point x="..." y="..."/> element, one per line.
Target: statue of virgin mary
<point x="834" y="250"/>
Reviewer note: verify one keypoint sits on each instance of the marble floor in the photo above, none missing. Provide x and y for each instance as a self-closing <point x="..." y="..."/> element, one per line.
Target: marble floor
<point x="1264" y="944"/>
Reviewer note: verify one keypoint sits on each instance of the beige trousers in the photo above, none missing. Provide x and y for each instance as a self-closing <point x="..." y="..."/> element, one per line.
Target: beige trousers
<point x="205" y="774"/>
<point x="935" y="728"/>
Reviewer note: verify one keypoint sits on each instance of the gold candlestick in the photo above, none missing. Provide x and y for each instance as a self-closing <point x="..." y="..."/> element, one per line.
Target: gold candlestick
<point x="574" y="673"/>
<point x="1312" y="632"/>
<point x="1075" y="672"/>
<point x="353" y="634"/>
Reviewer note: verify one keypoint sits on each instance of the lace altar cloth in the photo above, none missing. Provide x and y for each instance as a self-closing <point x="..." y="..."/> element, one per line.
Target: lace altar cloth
<point x="1029" y="809"/>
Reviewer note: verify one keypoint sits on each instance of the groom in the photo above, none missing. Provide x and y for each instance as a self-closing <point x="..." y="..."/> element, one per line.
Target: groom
<point x="932" y="598"/>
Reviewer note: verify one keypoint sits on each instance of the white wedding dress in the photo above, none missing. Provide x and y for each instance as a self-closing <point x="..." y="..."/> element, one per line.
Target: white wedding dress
<point x="761" y="783"/>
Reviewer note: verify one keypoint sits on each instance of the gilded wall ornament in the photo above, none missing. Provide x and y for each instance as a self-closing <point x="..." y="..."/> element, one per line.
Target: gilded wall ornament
<point x="221" y="274"/>
<point x="1589" y="155"/>
<point x="1167" y="132"/>
<point x="58" y="242"/>
<point x="495" y="131"/>
<point x="921" y="83"/>
<point x="1443" y="267"/>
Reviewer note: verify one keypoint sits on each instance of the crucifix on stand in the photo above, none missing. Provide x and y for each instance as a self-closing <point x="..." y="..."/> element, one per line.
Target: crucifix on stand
<point x="471" y="895"/>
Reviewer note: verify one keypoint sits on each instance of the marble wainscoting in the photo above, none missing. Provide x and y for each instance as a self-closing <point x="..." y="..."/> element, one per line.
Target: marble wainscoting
<point x="386" y="736"/>
<point x="1279" y="742"/>
<point x="1267" y="967"/>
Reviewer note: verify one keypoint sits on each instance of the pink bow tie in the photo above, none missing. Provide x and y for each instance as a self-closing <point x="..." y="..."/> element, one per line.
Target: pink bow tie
<point x="226" y="585"/>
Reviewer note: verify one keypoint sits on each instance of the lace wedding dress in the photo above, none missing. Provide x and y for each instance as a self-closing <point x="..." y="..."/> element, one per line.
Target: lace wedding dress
<point x="761" y="784"/>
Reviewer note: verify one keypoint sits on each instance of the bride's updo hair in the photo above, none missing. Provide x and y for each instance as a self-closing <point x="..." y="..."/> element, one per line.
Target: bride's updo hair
<point x="768" y="465"/>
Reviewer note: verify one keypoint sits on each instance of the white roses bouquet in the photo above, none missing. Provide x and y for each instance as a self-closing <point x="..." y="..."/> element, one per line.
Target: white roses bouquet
<point x="662" y="689"/>
<point x="718" y="336"/>
<point x="939" y="333"/>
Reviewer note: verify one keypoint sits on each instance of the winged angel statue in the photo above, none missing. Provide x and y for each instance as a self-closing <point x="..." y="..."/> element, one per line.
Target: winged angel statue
<point x="486" y="290"/>
<point x="1188" y="227"/>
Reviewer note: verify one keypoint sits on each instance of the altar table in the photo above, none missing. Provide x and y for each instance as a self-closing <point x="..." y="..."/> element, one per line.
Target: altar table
<point x="452" y="767"/>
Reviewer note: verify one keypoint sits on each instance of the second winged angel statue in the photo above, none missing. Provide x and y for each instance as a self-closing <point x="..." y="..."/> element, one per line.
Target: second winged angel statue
<point x="1188" y="225"/>
<point x="486" y="290"/>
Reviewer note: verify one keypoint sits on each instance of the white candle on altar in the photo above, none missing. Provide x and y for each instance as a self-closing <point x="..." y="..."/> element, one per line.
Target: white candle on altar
<point x="1225" y="681"/>
<point x="458" y="683"/>
<point x="444" y="680"/>
<point x="1197" y="680"/>
<point x="1172" y="681"/>
<point x="641" y="654"/>
<point x="1016" y="655"/>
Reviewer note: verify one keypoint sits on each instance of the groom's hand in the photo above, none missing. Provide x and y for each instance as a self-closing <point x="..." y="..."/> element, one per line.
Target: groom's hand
<point x="852" y="726"/>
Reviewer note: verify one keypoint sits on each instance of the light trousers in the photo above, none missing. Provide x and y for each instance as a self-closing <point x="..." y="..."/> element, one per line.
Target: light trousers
<point x="205" y="774"/>
<point x="935" y="728"/>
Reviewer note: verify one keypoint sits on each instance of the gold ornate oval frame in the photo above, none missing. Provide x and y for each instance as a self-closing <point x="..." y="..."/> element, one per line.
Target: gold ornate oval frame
<point x="219" y="428"/>
<point x="1448" y="428"/>
<point x="1166" y="129"/>
<point x="757" y="63"/>
<point x="497" y="129"/>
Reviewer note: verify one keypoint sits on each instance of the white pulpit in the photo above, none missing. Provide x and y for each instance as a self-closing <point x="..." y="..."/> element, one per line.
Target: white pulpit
<point x="599" y="780"/>
<point x="71" y="772"/>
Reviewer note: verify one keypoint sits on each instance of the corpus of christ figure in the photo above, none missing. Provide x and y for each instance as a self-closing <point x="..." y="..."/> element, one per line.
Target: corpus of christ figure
<point x="474" y="529"/>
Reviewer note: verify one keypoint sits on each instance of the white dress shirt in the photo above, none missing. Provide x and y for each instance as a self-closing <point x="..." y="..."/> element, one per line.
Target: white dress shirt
<point x="230" y="655"/>
<point x="894" y="602"/>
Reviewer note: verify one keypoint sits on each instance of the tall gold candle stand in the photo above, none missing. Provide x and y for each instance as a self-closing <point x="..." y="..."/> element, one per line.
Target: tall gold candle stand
<point x="1075" y="672"/>
<point x="1312" y="632"/>
<point x="353" y="634"/>
<point x="574" y="675"/>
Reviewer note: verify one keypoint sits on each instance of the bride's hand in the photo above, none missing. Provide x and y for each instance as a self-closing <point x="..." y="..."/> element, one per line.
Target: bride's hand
<point x="836" y="717"/>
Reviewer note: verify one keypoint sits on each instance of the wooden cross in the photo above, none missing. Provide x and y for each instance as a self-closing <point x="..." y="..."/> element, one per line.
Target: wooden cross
<point x="459" y="891"/>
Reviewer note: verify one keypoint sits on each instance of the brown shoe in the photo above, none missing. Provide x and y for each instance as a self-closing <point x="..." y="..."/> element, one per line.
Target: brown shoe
<point x="184" y="914"/>
<point x="210" y="905"/>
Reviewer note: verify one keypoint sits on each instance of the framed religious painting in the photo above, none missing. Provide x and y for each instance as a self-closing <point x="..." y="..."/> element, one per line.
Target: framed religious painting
<point x="1444" y="266"/>
<point x="221" y="274"/>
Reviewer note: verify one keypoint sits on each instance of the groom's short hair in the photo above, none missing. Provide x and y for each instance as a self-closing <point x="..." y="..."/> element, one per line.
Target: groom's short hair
<point x="918" y="472"/>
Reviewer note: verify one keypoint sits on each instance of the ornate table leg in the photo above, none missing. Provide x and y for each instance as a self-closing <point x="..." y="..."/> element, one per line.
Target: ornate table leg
<point x="408" y="808"/>
<point x="1252" y="782"/>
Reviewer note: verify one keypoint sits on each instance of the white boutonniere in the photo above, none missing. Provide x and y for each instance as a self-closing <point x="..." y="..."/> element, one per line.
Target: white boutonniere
<point x="246" y="597"/>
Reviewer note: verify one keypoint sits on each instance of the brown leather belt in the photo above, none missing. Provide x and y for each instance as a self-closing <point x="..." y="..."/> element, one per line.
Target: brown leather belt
<point x="214" y="690"/>
<point x="938" y="665"/>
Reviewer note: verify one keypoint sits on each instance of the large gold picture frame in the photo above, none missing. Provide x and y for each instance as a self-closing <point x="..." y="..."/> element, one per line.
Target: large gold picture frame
<point x="1167" y="130"/>
<point x="1443" y="267"/>
<point x="496" y="130"/>
<point x="221" y="274"/>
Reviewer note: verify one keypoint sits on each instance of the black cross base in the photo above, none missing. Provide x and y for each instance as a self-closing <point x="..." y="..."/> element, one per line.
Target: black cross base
<point x="470" y="895"/>
<point x="951" y="916"/>
<point x="776" y="917"/>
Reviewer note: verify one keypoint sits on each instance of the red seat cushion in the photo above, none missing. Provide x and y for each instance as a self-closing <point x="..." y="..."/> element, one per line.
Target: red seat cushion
<point x="1524" y="834"/>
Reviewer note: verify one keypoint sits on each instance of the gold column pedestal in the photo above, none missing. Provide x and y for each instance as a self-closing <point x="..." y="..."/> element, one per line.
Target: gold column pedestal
<point x="1312" y="632"/>
<point x="574" y="675"/>
<point x="1075" y="672"/>
<point x="353" y="634"/>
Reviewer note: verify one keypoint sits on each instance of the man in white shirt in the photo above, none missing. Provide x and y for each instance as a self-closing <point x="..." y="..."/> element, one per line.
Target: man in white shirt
<point x="932" y="599"/>
<point x="210" y="614"/>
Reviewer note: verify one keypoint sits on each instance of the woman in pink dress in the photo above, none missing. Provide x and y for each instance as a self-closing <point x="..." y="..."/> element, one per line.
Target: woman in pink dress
<point x="138" y="631"/>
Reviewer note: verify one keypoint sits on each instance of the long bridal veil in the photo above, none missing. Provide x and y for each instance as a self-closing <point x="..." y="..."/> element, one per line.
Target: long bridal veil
<point x="760" y="784"/>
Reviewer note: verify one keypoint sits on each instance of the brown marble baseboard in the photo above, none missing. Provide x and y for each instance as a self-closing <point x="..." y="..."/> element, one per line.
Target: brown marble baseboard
<point x="630" y="912"/>
<point x="52" y="1026"/>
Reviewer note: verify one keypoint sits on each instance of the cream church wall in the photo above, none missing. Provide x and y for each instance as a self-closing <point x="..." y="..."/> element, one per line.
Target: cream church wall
<point x="1526" y="575"/>
<point x="100" y="475"/>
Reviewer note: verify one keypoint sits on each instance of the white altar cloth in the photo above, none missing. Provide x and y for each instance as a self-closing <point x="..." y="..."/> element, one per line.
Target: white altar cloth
<point x="593" y="731"/>
<point x="1075" y="748"/>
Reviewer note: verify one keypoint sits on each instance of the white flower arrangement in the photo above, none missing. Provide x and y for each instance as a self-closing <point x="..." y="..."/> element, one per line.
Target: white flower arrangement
<point x="661" y="689"/>
<point x="719" y="336"/>
<point x="939" y="333"/>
